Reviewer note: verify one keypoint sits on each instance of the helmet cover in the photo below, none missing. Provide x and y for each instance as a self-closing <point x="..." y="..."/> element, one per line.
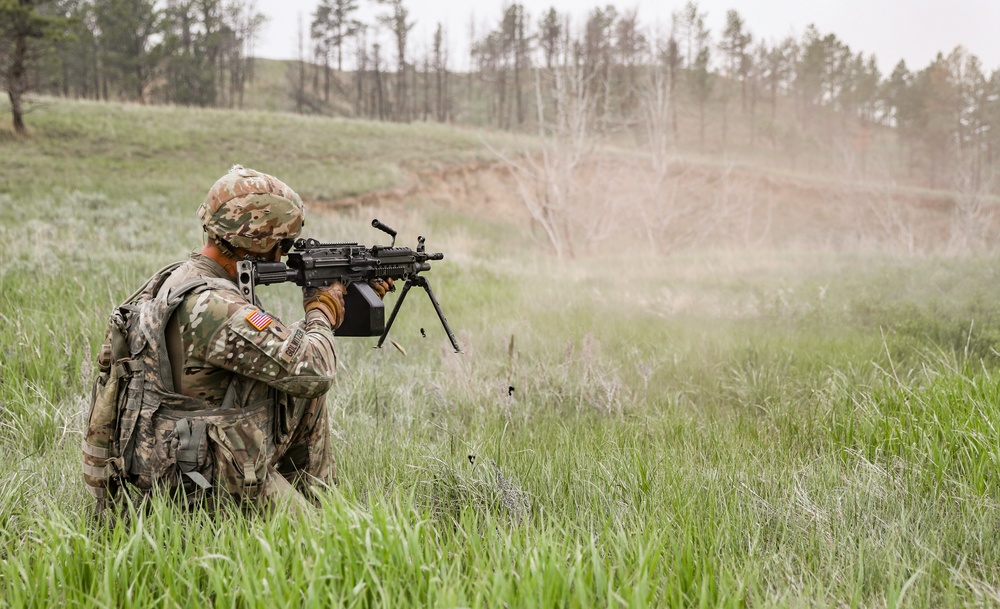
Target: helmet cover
<point x="251" y="210"/>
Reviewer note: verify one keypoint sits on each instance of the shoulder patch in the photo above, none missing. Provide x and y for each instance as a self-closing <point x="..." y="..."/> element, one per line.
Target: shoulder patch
<point x="259" y="320"/>
<point x="278" y="329"/>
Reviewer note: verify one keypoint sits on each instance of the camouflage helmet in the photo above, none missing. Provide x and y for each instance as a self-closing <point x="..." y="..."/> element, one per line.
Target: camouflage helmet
<point x="251" y="210"/>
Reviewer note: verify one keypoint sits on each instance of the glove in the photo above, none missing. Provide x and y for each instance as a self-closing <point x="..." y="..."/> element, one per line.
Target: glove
<point x="382" y="286"/>
<point x="329" y="301"/>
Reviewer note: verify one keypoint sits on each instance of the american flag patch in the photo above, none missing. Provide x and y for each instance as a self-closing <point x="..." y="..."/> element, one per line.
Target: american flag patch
<point x="259" y="320"/>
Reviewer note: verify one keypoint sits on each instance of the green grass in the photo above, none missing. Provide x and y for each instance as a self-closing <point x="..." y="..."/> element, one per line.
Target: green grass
<point x="126" y="151"/>
<point x="710" y="430"/>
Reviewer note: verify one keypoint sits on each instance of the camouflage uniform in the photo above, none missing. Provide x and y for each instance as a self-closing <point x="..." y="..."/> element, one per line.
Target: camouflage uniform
<point x="212" y="345"/>
<point x="212" y="394"/>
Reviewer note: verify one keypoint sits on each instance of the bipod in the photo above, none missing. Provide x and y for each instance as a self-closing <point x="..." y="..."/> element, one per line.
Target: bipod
<point x="419" y="282"/>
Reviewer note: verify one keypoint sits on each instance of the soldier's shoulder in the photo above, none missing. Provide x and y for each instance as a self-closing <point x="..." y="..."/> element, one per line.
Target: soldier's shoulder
<point x="214" y="294"/>
<point x="209" y="307"/>
<point x="221" y="327"/>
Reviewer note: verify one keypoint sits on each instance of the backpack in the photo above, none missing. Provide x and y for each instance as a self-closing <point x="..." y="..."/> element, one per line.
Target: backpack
<point x="129" y="390"/>
<point x="140" y="433"/>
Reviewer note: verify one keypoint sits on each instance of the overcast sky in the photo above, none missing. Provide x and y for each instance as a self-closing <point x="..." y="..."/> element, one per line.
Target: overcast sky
<point x="914" y="30"/>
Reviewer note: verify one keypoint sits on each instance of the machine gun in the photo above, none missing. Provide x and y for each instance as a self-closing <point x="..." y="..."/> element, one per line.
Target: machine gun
<point x="312" y="265"/>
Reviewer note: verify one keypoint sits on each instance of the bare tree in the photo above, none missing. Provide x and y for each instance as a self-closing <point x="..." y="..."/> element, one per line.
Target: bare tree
<point x="343" y="26"/>
<point x="655" y="97"/>
<point x="425" y="81"/>
<point x="320" y="32"/>
<point x="521" y="51"/>
<point x="689" y="23"/>
<point x="671" y="58"/>
<point x="631" y="49"/>
<point x="700" y="82"/>
<point x="549" y="181"/>
<point x="442" y="96"/>
<point x="473" y="54"/>
<point x="734" y="43"/>
<point x="243" y="19"/>
<point x="378" y="90"/>
<point x="550" y="36"/>
<point x="397" y="20"/>
<point x="296" y="73"/>
<point x="598" y="58"/>
<point x="332" y="26"/>
<point x="974" y="221"/>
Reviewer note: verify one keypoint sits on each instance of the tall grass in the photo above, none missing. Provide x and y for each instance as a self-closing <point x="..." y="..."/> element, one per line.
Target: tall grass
<point x="698" y="430"/>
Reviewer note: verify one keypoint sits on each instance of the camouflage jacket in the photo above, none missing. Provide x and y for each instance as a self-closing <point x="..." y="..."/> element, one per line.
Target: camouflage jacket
<point x="218" y="333"/>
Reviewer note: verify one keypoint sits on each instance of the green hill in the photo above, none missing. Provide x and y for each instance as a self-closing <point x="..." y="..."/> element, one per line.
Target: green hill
<point x="174" y="151"/>
<point x="784" y="408"/>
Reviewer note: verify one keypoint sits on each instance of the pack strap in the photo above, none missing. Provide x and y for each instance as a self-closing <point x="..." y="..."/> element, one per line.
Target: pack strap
<point x="129" y="416"/>
<point x="168" y="301"/>
<point x="100" y="473"/>
<point x="220" y="411"/>
<point x="199" y="480"/>
<point x="118" y="325"/>
<point x="98" y="492"/>
<point x="158" y="277"/>
<point x="191" y="434"/>
<point x="95" y="451"/>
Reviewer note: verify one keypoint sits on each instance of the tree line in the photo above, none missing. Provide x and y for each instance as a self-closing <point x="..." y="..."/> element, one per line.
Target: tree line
<point x="808" y="96"/>
<point x="188" y="52"/>
<point x="801" y="94"/>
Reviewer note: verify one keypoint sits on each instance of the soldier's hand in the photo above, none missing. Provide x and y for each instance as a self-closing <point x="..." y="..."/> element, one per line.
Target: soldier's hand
<point x="382" y="286"/>
<point x="329" y="301"/>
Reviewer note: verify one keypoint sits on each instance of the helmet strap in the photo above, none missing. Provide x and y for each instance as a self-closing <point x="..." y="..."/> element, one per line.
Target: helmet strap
<point x="226" y="248"/>
<point x="232" y="252"/>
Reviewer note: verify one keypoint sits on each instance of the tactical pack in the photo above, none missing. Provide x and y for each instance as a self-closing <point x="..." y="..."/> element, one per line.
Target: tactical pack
<point x="141" y="433"/>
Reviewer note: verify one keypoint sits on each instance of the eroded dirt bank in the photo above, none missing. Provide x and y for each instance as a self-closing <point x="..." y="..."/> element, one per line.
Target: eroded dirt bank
<point x="690" y="205"/>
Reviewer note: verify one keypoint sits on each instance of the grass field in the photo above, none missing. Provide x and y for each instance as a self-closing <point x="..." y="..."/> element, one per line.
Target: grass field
<point x="706" y="429"/>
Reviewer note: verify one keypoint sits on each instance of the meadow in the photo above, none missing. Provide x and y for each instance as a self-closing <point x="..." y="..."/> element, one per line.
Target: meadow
<point x="706" y="428"/>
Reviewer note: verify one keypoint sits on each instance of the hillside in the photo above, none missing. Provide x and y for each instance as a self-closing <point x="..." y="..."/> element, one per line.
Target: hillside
<point x="694" y="201"/>
<point x="736" y="387"/>
<point x="779" y="138"/>
<point x="734" y="196"/>
<point x="77" y="145"/>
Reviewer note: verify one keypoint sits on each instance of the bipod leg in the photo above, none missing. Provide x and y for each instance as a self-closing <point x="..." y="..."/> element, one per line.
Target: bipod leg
<point x="426" y="285"/>
<point x="395" y="309"/>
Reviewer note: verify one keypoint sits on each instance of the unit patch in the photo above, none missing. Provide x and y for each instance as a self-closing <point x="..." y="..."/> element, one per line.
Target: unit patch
<point x="259" y="320"/>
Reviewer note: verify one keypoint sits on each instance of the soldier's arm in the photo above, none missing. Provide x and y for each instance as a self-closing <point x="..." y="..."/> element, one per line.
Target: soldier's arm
<point x="221" y="329"/>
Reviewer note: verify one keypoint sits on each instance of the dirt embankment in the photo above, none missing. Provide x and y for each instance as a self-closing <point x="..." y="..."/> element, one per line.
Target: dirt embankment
<point x="479" y="185"/>
<point x="700" y="205"/>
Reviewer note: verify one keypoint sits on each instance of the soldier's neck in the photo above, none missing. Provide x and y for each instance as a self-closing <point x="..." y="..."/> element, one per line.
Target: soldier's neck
<point x="212" y="251"/>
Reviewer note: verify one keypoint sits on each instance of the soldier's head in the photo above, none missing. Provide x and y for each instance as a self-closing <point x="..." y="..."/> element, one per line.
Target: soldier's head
<point x="252" y="212"/>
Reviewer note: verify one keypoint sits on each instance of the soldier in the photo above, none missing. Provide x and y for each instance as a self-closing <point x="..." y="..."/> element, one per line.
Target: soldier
<point x="206" y="393"/>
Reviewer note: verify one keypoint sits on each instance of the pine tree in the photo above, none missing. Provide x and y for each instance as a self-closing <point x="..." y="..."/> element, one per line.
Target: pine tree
<point x="27" y="29"/>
